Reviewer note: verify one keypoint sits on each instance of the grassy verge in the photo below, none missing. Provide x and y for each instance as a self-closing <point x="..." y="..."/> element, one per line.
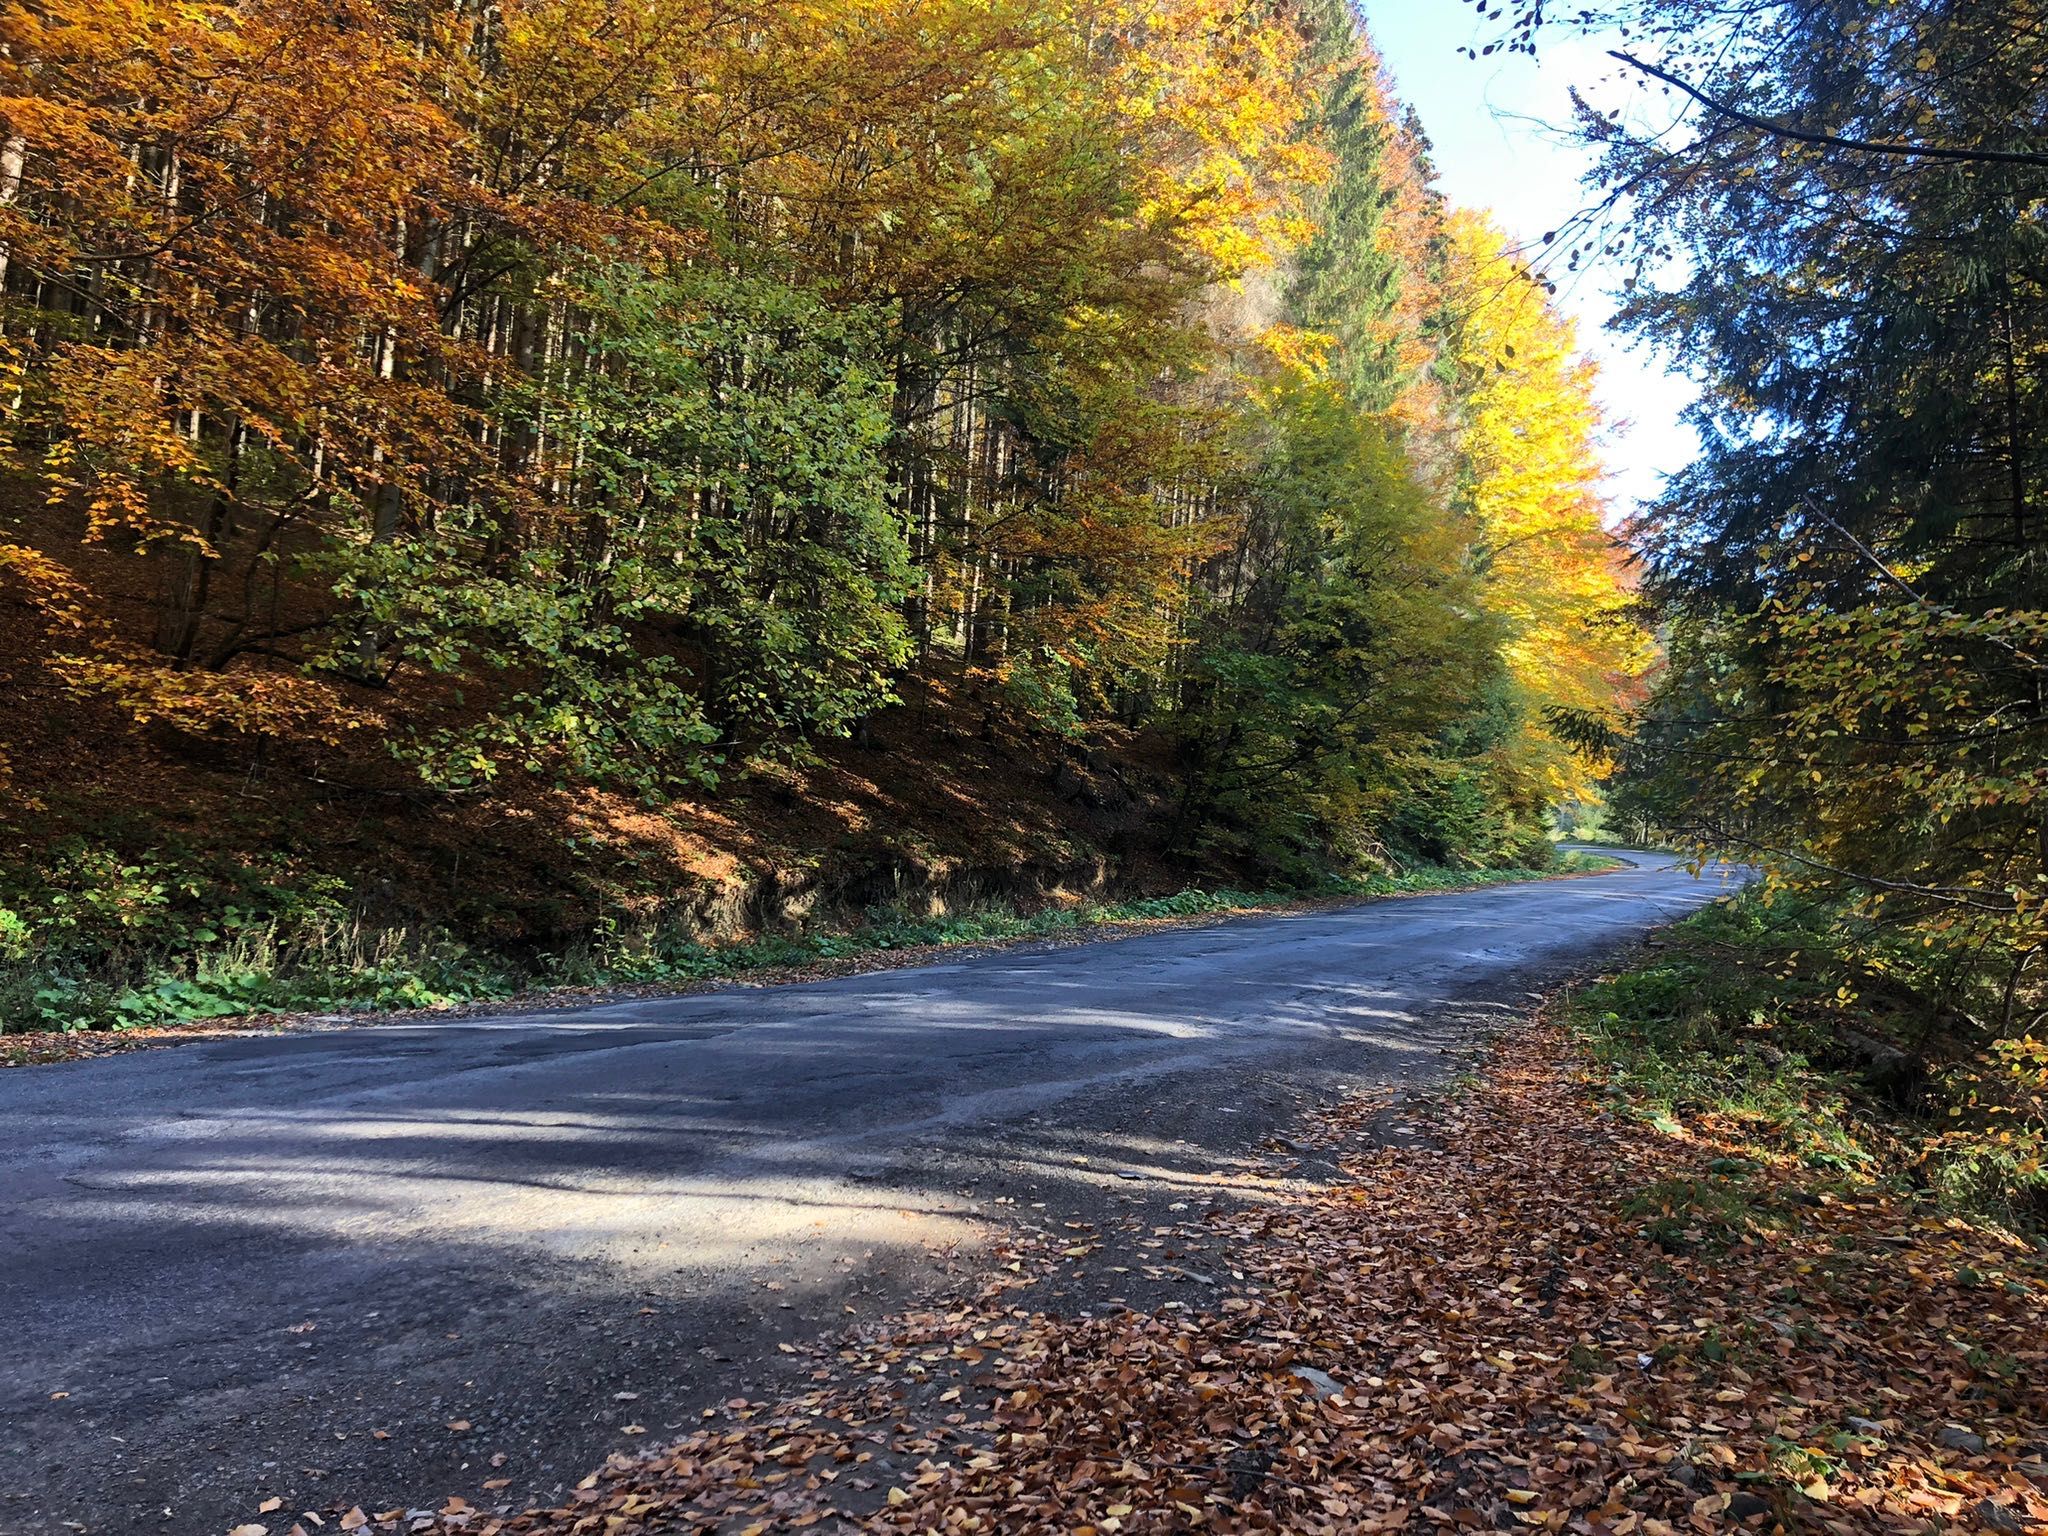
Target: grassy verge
<point x="887" y="931"/>
<point x="1741" y="1025"/>
<point x="290" y="950"/>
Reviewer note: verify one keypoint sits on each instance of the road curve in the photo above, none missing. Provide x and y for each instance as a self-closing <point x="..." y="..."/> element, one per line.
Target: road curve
<point x="226" y="1267"/>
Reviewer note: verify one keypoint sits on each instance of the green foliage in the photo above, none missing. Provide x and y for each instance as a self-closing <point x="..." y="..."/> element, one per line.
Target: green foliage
<point x="17" y="938"/>
<point x="1453" y="813"/>
<point x="1352" y="280"/>
<point x="1709" y="1027"/>
<point x="202" y="943"/>
<point x="1851" y="571"/>
<point x="96" y="941"/>
<point x="1709" y="1215"/>
<point x="1320" y="683"/>
<point x="1040" y="689"/>
<point x="737" y="574"/>
<point x="1746" y="1014"/>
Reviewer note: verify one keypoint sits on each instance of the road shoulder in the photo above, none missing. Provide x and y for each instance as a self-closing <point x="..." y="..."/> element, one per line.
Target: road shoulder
<point x="1448" y="1307"/>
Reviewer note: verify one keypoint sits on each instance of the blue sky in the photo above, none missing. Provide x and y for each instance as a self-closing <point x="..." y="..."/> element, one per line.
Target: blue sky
<point x="1484" y="120"/>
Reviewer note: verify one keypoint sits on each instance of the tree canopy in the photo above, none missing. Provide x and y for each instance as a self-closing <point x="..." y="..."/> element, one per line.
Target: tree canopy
<point x="1833" y="215"/>
<point x="547" y="388"/>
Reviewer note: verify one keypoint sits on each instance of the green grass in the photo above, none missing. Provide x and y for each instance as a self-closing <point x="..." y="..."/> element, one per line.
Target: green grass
<point x="124" y="952"/>
<point x="1739" y="1016"/>
<point x="1708" y="1027"/>
<point x="1711" y="1214"/>
<point x="650" y="958"/>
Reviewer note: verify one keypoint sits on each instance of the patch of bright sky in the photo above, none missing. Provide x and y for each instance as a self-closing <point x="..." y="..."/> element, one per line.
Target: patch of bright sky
<point x="1485" y="121"/>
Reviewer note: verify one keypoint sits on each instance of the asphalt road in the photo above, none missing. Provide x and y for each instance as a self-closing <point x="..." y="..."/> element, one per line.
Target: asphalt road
<point x="285" y="1265"/>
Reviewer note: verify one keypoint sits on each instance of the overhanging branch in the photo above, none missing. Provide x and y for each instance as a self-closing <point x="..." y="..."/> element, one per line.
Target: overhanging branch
<point x="1784" y="130"/>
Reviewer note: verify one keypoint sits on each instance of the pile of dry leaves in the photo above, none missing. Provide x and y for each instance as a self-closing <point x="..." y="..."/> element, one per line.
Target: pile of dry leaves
<point x="1536" y="1315"/>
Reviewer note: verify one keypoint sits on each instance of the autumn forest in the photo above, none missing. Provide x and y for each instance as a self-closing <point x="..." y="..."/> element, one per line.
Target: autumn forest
<point x="453" y="409"/>
<point x="520" y="492"/>
<point x="749" y="682"/>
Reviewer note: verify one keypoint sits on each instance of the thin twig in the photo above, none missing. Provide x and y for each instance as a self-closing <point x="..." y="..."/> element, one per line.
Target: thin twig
<point x="1780" y="129"/>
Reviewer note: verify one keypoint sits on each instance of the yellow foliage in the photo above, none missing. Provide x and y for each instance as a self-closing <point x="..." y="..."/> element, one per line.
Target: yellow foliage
<point x="1530" y="478"/>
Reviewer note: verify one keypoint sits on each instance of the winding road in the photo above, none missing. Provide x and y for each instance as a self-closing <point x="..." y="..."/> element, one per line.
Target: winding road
<point x="393" y="1262"/>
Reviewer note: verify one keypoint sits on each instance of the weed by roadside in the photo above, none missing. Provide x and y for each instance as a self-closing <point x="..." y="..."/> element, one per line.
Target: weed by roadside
<point x="654" y="955"/>
<point x="1737" y="1021"/>
<point x="110" y="946"/>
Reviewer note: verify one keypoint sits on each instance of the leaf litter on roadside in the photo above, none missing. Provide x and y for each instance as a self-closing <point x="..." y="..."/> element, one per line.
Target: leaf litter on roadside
<point x="1485" y="1324"/>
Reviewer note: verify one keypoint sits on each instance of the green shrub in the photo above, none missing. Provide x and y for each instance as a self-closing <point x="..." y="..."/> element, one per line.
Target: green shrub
<point x="1741" y="1015"/>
